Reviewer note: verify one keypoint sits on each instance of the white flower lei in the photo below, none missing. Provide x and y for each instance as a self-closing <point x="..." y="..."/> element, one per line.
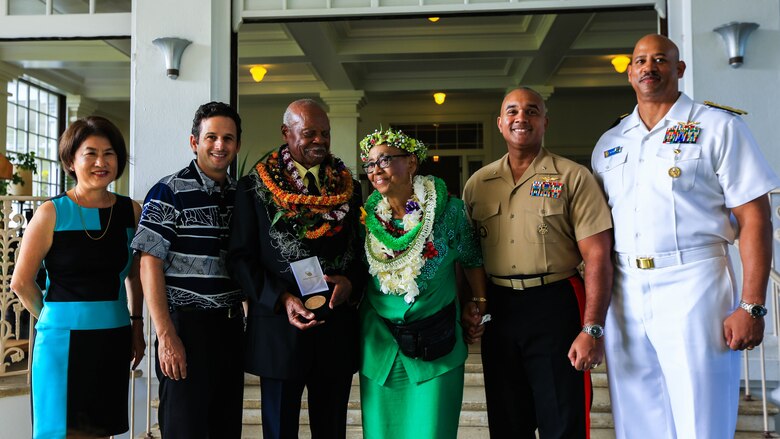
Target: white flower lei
<point x="397" y="274"/>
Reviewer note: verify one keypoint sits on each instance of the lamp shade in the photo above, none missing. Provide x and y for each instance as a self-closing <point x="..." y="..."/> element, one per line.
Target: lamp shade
<point x="258" y="73"/>
<point x="735" y="36"/>
<point x="439" y="97"/>
<point x="621" y="63"/>
<point x="172" y="50"/>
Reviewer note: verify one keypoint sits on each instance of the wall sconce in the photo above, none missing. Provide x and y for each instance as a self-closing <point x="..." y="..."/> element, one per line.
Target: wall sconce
<point x="172" y="49"/>
<point x="435" y="159"/>
<point x="439" y="97"/>
<point x="433" y="19"/>
<point x="258" y="73"/>
<point x="735" y="37"/>
<point x="620" y="63"/>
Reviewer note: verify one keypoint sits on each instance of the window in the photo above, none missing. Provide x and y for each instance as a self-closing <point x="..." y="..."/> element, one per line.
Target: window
<point x="445" y="135"/>
<point x="36" y="118"/>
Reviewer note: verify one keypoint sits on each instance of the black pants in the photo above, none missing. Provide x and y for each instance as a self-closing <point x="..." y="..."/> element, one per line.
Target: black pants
<point x="529" y="380"/>
<point x="328" y="397"/>
<point x="208" y="404"/>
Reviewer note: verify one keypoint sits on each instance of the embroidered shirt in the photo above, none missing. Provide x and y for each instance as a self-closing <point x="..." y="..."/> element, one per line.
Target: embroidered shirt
<point x="185" y="222"/>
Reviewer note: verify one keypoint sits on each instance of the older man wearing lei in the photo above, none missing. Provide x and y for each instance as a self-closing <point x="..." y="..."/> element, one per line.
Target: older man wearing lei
<point x="411" y="376"/>
<point x="297" y="204"/>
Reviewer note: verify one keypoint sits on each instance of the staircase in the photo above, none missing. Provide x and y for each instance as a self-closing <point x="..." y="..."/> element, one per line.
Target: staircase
<point x="473" y="417"/>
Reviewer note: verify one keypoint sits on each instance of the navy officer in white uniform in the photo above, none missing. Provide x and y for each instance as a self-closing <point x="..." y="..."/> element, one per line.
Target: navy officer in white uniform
<point x="683" y="180"/>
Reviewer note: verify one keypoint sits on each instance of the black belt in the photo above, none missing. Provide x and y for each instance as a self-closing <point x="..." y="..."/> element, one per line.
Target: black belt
<point x="229" y="312"/>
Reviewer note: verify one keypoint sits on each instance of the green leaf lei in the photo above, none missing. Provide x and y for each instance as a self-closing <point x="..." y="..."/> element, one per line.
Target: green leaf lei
<point x="376" y="228"/>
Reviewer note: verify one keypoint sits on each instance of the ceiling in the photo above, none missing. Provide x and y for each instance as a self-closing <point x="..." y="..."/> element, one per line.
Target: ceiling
<point x="458" y="54"/>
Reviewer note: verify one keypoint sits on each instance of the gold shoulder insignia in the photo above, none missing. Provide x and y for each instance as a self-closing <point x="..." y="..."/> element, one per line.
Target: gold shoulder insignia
<point x="617" y="121"/>
<point x="723" y="107"/>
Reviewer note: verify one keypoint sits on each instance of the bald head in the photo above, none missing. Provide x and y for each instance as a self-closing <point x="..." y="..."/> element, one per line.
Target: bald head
<point x="655" y="70"/>
<point x="660" y="42"/>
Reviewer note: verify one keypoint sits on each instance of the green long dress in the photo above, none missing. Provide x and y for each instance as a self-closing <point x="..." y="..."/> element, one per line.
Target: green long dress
<point x="403" y="397"/>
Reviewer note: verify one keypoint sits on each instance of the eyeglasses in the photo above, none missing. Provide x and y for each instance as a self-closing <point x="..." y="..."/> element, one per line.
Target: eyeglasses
<point x="382" y="161"/>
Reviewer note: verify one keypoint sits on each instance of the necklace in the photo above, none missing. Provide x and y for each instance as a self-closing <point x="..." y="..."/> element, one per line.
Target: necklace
<point x="397" y="269"/>
<point x="84" y="225"/>
<point x="311" y="216"/>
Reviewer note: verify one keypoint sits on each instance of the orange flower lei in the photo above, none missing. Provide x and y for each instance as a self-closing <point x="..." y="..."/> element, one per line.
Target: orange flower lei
<point x="294" y="205"/>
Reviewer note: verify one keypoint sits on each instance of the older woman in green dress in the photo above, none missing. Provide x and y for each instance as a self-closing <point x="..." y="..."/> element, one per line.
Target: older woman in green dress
<point x="411" y="376"/>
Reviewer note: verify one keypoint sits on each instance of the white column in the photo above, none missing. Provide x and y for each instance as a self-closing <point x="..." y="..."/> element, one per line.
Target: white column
<point x="79" y="107"/>
<point x="8" y="73"/>
<point x="344" y="107"/>
<point x="161" y="109"/>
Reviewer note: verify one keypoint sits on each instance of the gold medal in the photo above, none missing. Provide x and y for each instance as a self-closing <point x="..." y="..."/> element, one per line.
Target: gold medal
<point x="315" y="302"/>
<point x="542" y="229"/>
<point x="674" y="172"/>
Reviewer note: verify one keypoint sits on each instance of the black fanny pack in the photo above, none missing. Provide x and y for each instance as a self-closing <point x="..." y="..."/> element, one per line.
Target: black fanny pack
<point x="430" y="338"/>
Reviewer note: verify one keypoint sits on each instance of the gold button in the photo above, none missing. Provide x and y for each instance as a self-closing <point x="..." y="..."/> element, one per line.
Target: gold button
<point x="544" y="211"/>
<point x="675" y="172"/>
<point x="512" y="215"/>
<point x="542" y="229"/>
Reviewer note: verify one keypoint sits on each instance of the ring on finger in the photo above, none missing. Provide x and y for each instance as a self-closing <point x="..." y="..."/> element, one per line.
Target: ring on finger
<point x="750" y="348"/>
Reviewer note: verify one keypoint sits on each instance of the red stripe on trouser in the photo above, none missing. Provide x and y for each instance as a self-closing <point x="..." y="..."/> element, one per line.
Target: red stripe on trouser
<point x="579" y="291"/>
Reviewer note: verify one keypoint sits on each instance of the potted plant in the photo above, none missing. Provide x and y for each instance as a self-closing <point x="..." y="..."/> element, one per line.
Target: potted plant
<point x="23" y="170"/>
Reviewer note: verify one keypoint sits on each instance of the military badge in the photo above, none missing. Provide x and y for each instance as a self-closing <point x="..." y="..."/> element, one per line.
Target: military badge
<point x="683" y="132"/>
<point x="613" y="151"/>
<point x="547" y="187"/>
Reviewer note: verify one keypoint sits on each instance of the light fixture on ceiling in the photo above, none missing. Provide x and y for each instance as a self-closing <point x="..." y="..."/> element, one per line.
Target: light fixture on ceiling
<point x="439" y="97"/>
<point x="436" y="159"/>
<point x="172" y="49"/>
<point x="735" y="36"/>
<point x="258" y="73"/>
<point x="621" y="63"/>
<point x="433" y="19"/>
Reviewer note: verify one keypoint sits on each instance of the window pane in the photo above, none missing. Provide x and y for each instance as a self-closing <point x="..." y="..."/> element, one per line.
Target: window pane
<point x="53" y="127"/>
<point x="33" y="122"/>
<point x="112" y="6"/>
<point x="26" y="7"/>
<point x="33" y="95"/>
<point x="22" y="99"/>
<point x="10" y="140"/>
<point x="44" y="107"/>
<point x="32" y="144"/>
<point x="42" y="125"/>
<point x="11" y="119"/>
<point x="21" y="141"/>
<point x="53" y="104"/>
<point x="21" y="119"/>
<point x="43" y="147"/>
<point x="53" y="154"/>
<point x="70" y="7"/>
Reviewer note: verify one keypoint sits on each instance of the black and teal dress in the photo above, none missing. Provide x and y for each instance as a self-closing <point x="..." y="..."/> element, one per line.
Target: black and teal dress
<point x="82" y="352"/>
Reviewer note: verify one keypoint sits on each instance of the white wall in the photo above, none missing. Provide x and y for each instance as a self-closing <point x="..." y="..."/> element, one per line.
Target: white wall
<point x="162" y="108"/>
<point x="15" y="411"/>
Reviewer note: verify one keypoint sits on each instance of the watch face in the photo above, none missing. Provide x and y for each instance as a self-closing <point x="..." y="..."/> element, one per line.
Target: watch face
<point x="758" y="311"/>
<point x="595" y="331"/>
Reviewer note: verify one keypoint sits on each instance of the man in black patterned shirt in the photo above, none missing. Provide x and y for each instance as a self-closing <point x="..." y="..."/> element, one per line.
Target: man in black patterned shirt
<point x="195" y="306"/>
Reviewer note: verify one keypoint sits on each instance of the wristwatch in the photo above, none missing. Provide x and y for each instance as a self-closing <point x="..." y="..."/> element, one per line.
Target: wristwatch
<point x="755" y="310"/>
<point x="596" y="331"/>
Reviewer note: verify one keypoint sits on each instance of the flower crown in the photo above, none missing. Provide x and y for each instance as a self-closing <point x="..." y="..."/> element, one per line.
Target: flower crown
<point x="393" y="138"/>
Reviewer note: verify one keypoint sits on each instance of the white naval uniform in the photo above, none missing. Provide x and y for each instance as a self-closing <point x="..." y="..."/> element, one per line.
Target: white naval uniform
<point x="671" y="374"/>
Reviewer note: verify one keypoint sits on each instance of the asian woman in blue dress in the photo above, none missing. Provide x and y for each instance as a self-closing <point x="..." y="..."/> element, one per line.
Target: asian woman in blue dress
<point x="90" y="329"/>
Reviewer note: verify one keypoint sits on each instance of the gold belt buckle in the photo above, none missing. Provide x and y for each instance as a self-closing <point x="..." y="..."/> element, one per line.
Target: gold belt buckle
<point x="645" y="263"/>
